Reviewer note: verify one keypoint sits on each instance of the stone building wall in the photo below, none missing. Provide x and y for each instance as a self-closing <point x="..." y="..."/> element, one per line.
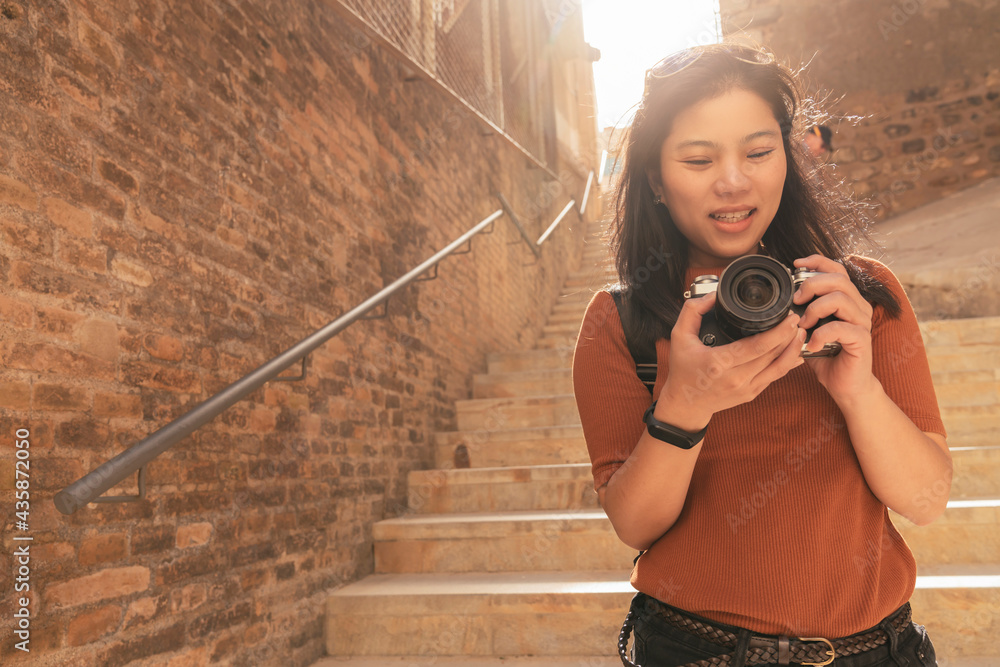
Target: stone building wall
<point x="187" y="188"/>
<point x="912" y="88"/>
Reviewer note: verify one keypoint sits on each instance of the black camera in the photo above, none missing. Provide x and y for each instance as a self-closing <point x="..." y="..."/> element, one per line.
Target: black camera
<point x="753" y="294"/>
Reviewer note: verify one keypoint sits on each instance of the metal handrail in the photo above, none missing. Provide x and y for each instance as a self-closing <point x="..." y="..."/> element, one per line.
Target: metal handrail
<point x="88" y="488"/>
<point x="586" y="191"/>
<point x="555" y="223"/>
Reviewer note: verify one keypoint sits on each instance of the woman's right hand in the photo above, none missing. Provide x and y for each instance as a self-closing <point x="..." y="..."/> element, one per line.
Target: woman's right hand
<point x="703" y="380"/>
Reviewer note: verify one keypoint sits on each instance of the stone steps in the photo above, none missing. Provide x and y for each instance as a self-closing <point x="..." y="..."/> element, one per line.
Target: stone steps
<point x="577" y="297"/>
<point x="500" y="542"/>
<point x="568" y="486"/>
<point x="976" y="472"/>
<point x="976" y="469"/>
<point x="970" y="331"/>
<point x="959" y="605"/>
<point x="492" y="414"/>
<point x="967" y="425"/>
<point x="555" y="342"/>
<point x="953" y="389"/>
<point x="566" y="311"/>
<point x="568" y="316"/>
<point x="568" y="614"/>
<point x="508" y="614"/>
<point x="968" y="533"/>
<point x="564" y="329"/>
<point x="530" y="360"/>
<point x="512" y="447"/>
<point x="531" y="487"/>
<point x="583" y="539"/>
<point x="593" y="279"/>
<point x="524" y="383"/>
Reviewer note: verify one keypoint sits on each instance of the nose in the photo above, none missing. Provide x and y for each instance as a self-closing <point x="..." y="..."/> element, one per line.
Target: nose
<point x="732" y="179"/>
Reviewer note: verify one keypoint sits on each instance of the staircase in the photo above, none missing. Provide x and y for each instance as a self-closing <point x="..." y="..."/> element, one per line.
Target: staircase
<point x="506" y="559"/>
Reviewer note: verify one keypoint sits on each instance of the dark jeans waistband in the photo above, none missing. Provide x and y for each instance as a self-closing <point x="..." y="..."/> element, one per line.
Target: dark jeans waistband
<point x="749" y="648"/>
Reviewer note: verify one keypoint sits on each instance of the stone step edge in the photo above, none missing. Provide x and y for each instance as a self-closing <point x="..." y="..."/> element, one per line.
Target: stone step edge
<point x="512" y="401"/>
<point x="445" y="438"/>
<point x="420" y="586"/>
<point x="522" y="473"/>
<point x="963" y="512"/>
<point x="523" y="433"/>
<point x="572" y="470"/>
<point x="472" y="404"/>
<point x="477" y="524"/>
<point x="522" y="376"/>
<point x="417" y="587"/>
<point x="517" y="354"/>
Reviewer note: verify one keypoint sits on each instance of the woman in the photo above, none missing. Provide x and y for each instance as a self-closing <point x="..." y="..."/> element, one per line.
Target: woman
<point x="760" y="503"/>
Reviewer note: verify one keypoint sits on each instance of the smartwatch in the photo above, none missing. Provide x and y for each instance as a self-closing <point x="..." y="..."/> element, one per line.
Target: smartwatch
<point x="671" y="434"/>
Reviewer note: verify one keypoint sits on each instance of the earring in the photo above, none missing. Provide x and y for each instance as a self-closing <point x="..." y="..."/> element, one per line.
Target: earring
<point x="657" y="200"/>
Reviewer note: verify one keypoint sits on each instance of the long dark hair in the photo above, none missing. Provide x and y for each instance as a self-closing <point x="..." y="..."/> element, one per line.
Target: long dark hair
<point x="651" y="254"/>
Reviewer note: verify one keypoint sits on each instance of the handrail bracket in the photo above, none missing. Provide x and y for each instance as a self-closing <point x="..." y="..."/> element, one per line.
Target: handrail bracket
<point x="293" y="378"/>
<point x="127" y="499"/>
<point x="381" y="316"/>
<point x="509" y="210"/>
<point x="432" y="275"/>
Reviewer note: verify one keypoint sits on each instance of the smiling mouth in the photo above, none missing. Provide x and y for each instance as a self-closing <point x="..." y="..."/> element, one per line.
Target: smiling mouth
<point x="735" y="216"/>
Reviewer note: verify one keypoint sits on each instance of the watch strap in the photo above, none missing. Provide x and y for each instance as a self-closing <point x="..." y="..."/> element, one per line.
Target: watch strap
<point x="671" y="434"/>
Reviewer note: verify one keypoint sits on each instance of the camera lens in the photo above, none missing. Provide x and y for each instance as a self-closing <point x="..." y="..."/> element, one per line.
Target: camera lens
<point x="754" y="290"/>
<point x="754" y="294"/>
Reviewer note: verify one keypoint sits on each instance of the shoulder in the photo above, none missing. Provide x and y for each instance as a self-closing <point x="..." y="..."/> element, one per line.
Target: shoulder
<point x="875" y="272"/>
<point x="601" y="357"/>
<point x="601" y="319"/>
<point x="872" y="268"/>
<point x="886" y="293"/>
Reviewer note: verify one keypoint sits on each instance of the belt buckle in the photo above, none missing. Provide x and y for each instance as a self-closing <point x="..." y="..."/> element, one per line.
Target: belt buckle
<point x="832" y="652"/>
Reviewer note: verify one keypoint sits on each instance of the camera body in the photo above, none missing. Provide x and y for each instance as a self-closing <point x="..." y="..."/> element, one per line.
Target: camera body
<point x="753" y="294"/>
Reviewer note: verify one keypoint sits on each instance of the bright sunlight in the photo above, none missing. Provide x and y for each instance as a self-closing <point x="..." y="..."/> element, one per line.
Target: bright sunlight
<point x="632" y="36"/>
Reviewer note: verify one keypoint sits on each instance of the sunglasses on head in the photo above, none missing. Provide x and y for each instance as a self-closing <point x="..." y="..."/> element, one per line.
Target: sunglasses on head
<point x="669" y="65"/>
<point x="681" y="60"/>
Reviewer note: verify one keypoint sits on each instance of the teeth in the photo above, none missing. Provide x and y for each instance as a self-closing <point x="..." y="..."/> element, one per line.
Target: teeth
<point x="732" y="217"/>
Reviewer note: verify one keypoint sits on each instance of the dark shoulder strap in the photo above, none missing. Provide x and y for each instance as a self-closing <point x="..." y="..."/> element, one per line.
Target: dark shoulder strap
<point x="644" y="356"/>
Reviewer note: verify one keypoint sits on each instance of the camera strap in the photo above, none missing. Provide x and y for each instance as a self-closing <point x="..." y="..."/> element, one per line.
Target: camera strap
<point x="644" y="356"/>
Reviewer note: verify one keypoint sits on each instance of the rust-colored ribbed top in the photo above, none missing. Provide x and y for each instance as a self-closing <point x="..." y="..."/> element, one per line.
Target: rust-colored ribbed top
<point x="780" y="532"/>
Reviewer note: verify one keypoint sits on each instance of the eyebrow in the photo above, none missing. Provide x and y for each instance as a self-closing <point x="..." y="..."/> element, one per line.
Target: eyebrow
<point x="753" y="136"/>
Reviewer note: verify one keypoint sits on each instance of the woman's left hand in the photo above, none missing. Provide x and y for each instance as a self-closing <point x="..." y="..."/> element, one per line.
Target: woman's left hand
<point x="849" y="374"/>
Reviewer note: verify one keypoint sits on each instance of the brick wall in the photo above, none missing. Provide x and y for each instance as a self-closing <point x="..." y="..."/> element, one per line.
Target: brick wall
<point x="187" y="189"/>
<point x="913" y="87"/>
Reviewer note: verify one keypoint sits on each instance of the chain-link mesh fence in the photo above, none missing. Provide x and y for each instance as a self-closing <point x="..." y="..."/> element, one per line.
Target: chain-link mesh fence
<point x="487" y="52"/>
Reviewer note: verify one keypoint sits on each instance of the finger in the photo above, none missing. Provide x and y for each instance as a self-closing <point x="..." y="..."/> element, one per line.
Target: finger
<point x="825" y="283"/>
<point x="852" y="338"/>
<point x="771" y="341"/>
<point x="689" y="320"/>
<point x="790" y="357"/>
<point x="820" y="263"/>
<point x="840" y="306"/>
<point x="785" y="355"/>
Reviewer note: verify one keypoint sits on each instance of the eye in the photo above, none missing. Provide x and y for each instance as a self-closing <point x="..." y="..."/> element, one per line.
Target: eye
<point x="760" y="154"/>
<point x="698" y="162"/>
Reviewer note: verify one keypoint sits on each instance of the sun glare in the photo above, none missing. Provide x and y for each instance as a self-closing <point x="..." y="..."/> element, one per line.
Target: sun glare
<point x="632" y="35"/>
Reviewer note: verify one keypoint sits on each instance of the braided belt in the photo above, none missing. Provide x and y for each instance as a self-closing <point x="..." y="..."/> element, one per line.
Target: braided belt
<point x="764" y="649"/>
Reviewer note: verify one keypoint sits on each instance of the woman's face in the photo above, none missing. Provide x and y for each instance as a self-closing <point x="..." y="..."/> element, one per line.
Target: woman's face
<point x="722" y="168"/>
